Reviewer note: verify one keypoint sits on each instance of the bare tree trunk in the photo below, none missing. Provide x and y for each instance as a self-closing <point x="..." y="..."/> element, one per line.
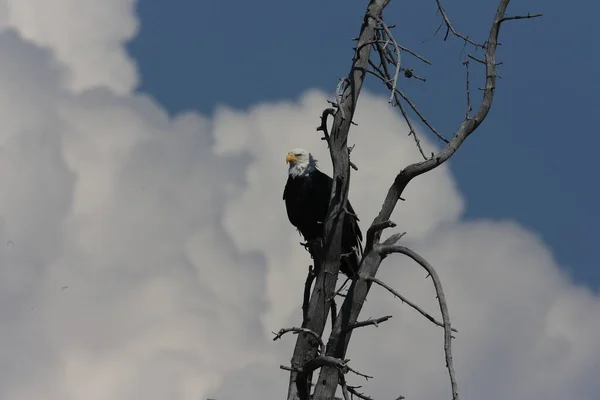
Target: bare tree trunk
<point x="338" y="146"/>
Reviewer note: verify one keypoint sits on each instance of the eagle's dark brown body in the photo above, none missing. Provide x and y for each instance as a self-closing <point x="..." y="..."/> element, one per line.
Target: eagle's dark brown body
<point x="307" y="200"/>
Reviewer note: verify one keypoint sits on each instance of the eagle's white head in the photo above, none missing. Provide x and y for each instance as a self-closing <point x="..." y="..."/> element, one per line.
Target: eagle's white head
<point x="301" y="162"/>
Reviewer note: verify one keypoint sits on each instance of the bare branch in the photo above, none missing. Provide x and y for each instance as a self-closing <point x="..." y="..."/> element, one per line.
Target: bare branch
<point x="381" y="75"/>
<point x="450" y="28"/>
<point x="295" y="330"/>
<point x="394" y="238"/>
<point x="342" y="287"/>
<point x="368" y="322"/>
<point x="367" y="377"/>
<point x="437" y="283"/>
<point x="421" y="117"/>
<point x="409" y="51"/>
<point x="408" y="302"/>
<point x="476" y="59"/>
<point x="352" y="389"/>
<point x="384" y="78"/>
<point x="528" y="16"/>
<point x="323" y="127"/>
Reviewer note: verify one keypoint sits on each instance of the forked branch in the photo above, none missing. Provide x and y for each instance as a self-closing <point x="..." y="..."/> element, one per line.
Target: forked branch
<point x="376" y="228"/>
<point x="408" y="302"/>
<point x="450" y="27"/>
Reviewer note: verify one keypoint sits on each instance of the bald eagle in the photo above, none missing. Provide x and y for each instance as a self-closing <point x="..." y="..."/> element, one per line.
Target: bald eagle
<point x="306" y="197"/>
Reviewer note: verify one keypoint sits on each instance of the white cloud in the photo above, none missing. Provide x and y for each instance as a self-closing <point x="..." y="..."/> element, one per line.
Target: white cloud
<point x="149" y="257"/>
<point x="85" y="35"/>
<point x="115" y="274"/>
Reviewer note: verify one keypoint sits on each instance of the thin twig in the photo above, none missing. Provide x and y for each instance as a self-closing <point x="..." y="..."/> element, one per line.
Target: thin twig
<point x="450" y="28"/>
<point x="437" y="283"/>
<point x="368" y="322"/>
<point x="409" y="51"/>
<point x="352" y="390"/>
<point x="408" y="302"/>
<point x="423" y="119"/>
<point x="367" y="377"/>
<point x="411" y="129"/>
<point x="476" y="59"/>
<point x="521" y="17"/>
<point x="386" y="42"/>
<point x="394" y="95"/>
<point x="286" y="368"/>
<point x="380" y="74"/>
<point x="343" y="285"/>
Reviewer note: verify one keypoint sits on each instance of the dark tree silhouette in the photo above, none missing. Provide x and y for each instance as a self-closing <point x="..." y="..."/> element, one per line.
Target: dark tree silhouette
<point x="377" y="54"/>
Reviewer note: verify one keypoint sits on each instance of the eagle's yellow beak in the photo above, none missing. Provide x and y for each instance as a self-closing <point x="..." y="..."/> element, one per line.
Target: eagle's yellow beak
<point x="290" y="158"/>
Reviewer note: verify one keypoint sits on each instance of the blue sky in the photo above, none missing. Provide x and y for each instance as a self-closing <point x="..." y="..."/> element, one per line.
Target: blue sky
<point x="532" y="160"/>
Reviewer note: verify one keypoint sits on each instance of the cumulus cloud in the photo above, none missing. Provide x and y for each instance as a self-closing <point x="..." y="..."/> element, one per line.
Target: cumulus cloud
<point x="149" y="257"/>
<point x="117" y="280"/>
<point x="85" y="35"/>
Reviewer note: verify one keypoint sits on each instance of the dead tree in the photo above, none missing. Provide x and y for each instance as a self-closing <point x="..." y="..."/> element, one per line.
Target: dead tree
<point x="311" y="353"/>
